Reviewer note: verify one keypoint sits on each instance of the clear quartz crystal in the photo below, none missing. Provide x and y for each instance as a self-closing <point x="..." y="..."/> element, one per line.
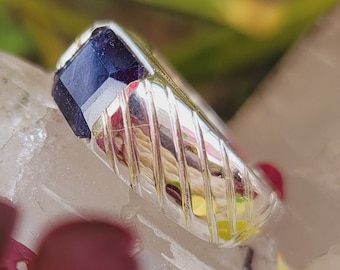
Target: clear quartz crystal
<point x="50" y="176"/>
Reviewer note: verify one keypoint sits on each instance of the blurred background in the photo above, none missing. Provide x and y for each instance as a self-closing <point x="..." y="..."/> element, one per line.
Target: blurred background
<point x="224" y="48"/>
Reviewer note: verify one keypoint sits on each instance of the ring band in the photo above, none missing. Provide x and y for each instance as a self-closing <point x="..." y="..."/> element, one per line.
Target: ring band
<point x="144" y="125"/>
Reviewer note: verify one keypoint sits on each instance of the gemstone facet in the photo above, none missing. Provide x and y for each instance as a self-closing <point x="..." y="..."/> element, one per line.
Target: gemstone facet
<point x="101" y="68"/>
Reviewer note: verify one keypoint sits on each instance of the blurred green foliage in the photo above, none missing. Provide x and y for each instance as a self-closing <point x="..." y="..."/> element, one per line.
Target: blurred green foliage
<point x="223" y="47"/>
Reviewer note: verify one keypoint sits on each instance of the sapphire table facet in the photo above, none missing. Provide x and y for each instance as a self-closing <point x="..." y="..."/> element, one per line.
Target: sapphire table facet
<point x="103" y="60"/>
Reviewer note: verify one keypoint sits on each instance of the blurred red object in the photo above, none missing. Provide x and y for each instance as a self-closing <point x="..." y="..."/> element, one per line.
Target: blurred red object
<point x="7" y="218"/>
<point x="83" y="245"/>
<point x="12" y="253"/>
<point x="86" y="245"/>
<point x="273" y="177"/>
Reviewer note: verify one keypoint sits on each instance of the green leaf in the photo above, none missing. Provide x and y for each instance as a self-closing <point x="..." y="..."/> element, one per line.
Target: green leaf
<point x="13" y="38"/>
<point x="49" y="25"/>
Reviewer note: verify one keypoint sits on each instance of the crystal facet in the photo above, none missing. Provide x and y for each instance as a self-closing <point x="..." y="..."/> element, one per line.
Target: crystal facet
<point x="101" y="63"/>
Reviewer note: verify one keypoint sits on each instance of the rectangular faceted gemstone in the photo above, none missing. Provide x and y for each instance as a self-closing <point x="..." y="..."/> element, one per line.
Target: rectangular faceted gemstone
<point x="103" y="60"/>
<point x="70" y="110"/>
<point x="84" y="75"/>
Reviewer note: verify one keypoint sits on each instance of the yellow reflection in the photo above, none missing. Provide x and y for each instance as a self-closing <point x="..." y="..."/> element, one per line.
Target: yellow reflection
<point x="254" y="17"/>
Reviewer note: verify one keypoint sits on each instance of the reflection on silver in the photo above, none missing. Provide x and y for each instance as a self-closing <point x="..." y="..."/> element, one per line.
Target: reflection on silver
<point x="161" y="144"/>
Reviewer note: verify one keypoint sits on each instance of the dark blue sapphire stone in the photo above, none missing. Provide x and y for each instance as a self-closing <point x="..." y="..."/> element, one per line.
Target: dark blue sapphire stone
<point x="103" y="56"/>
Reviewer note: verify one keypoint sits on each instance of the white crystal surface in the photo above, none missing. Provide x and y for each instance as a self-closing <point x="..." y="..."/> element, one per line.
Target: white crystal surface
<point x="51" y="175"/>
<point x="329" y="261"/>
<point x="293" y="121"/>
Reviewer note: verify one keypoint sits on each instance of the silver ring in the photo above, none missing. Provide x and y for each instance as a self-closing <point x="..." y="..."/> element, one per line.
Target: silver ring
<point x="158" y="137"/>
